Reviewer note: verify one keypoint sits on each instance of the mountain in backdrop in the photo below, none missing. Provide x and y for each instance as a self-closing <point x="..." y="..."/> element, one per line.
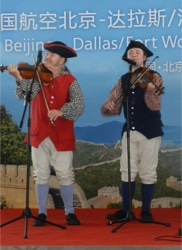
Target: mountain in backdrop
<point x="110" y="133"/>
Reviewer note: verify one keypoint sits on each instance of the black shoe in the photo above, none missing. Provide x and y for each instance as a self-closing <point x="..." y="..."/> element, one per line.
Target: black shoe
<point x="146" y="216"/>
<point x="118" y="215"/>
<point x="40" y="222"/>
<point x="71" y="219"/>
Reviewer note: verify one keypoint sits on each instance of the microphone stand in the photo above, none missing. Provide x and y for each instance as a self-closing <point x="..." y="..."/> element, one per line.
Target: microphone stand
<point x="130" y="215"/>
<point x="27" y="212"/>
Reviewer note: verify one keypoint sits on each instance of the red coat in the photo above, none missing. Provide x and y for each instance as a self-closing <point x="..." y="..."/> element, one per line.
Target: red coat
<point x="62" y="133"/>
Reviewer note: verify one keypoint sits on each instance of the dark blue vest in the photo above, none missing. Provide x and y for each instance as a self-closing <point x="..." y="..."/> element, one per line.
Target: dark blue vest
<point x="141" y="118"/>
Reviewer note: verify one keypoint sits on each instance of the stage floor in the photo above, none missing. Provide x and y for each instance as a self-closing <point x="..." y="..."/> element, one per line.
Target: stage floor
<point x="93" y="233"/>
<point x="88" y="248"/>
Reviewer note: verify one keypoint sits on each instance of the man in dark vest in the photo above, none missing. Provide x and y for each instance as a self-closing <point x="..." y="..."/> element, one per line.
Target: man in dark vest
<point x="139" y="96"/>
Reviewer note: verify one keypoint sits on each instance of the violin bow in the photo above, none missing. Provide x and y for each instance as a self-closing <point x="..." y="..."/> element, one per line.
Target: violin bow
<point x="40" y="83"/>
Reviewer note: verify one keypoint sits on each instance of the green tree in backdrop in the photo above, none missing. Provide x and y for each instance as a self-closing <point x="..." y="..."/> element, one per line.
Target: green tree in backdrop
<point x="13" y="148"/>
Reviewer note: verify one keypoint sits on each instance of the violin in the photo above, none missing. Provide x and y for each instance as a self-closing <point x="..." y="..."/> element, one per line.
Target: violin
<point x="27" y="72"/>
<point x="142" y="77"/>
<point x="43" y="75"/>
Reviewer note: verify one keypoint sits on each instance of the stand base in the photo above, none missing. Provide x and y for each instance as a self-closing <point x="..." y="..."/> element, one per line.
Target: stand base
<point x="28" y="214"/>
<point x="129" y="217"/>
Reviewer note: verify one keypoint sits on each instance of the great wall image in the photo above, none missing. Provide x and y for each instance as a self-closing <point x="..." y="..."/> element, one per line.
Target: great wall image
<point x="13" y="184"/>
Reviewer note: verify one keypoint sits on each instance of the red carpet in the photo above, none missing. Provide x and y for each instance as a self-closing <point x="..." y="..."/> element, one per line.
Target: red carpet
<point x="93" y="230"/>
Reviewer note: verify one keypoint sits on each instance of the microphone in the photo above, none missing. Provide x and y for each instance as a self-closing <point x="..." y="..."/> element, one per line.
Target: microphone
<point x="131" y="62"/>
<point x="39" y="57"/>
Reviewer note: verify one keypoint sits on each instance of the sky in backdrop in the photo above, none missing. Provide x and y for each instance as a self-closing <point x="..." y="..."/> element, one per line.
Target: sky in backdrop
<point x="99" y="31"/>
